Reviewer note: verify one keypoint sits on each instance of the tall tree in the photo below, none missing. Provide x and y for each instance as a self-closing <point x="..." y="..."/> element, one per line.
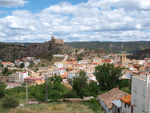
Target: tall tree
<point x="5" y="71"/>
<point x="80" y="82"/>
<point x="108" y="76"/>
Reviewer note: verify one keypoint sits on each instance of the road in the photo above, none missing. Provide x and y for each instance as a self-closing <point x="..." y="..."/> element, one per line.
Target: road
<point x="29" y="70"/>
<point x="65" y="58"/>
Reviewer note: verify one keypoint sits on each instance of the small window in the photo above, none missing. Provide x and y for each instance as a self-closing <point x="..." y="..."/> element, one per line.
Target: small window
<point x="135" y="88"/>
<point x="125" y="105"/>
<point x="143" y="107"/>
<point x="135" y="102"/>
<point x="144" y="92"/>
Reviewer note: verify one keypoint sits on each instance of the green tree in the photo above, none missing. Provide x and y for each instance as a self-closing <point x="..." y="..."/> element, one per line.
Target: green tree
<point x="80" y="82"/>
<point x="93" y="88"/>
<point x="1" y="90"/>
<point x="22" y="65"/>
<point x="36" y="69"/>
<point x="5" y="71"/>
<point x="79" y="58"/>
<point x="108" y="76"/>
<point x="9" y="101"/>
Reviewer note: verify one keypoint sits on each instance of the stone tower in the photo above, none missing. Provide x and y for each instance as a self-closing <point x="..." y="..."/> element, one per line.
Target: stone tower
<point x="57" y="41"/>
<point x="122" y="59"/>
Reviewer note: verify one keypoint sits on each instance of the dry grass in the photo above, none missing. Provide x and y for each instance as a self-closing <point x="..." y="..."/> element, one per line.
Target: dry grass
<point x="68" y="86"/>
<point x="54" y="108"/>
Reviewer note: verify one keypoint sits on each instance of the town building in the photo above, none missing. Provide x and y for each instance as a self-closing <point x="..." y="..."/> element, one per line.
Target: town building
<point x="18" y="77"/>
<point x="12" y="85"/>
<point x="140" y="99"/>
<point x="126" y="104"/>
<point x="7" y="64"/>
<point x="106" y="99"/>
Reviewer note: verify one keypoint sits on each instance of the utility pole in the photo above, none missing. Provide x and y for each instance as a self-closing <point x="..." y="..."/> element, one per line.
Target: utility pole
<point x="46" y="98"/>
<point x="26" y="93"/>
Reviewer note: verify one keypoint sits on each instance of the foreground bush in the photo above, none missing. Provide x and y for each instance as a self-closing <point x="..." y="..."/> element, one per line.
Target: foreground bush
<point x="9" y="102"/>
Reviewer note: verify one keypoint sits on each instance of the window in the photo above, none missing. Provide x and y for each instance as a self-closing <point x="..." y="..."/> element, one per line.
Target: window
<point x="144" y="92"/>
<point x="125" y="105"/>
<point x="135" y="88"/>
<point x="135" y="102"/>
<point x="143" y="107"/>
<point x="118" y="110"/>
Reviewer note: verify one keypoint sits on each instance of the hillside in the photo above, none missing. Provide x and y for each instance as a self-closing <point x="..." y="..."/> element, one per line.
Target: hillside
<point x="141" y="54"/>
<point x="114" y="47"/>
<point x="10" y="51"/>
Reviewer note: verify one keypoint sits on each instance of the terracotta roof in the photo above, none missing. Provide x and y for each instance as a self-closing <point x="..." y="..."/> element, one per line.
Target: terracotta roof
<point x="18" y="60"/>
<point x="15" y="84"/>
<point x="142" y="68"/>
<point x="126" y="99"/>
<point x="6" y="63"/>
<point x="64" y="76"/>
<point x="33" y="78"/>
<point x="3" y="62"/>
<point x="112" y="95"/>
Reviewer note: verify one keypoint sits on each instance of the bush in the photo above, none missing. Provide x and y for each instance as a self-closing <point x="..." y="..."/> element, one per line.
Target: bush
<point x="70" y="94"/>
<point x="9" y="102"/>
<point x="84" y="92"/>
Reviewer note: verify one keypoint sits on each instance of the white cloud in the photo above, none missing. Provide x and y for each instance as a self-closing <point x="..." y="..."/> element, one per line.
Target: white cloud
<point x="12" y="3"/>
<point x="91" y="21"/>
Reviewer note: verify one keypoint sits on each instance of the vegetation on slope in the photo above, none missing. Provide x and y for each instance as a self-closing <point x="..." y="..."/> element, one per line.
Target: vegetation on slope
<point x="113" y="47"/>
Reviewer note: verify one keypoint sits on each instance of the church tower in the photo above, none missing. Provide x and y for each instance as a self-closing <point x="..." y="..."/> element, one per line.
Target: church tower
<point x="122" y="59"/>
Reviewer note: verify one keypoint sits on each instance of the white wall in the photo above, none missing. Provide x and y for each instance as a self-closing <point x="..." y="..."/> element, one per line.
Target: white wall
<point x="105" y="107"/>
<point x="140" y="85"/>
<point x="126" y="109"/>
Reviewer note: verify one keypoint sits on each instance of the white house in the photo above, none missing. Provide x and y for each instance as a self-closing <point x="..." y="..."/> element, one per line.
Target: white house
<point x="26" y="64"/>
<point x="18" y="77"/>
<point x="58" y="64"/>
<point x="141" y="94"/>
<point x="62" y="70"/>
<point x="116" y="106"/>
<point x="73" y="73"/>
<point x="126" y="104"/>
<point x="106" y="99"/>
<point x="18" y="62"/>
<point x="12" y="85"/>
<point x="8" y="64"/>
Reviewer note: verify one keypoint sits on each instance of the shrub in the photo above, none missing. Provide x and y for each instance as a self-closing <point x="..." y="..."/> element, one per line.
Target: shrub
<point x="9" y="102"/>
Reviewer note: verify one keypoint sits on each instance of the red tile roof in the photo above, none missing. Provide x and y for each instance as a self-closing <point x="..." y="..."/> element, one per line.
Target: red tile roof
<point x="33" y="78"/>
<point x="15" y="84"/>
<point x="106" y="61"/>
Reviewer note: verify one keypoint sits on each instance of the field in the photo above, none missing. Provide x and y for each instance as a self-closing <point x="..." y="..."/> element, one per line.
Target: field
<point x="56" y="107"/>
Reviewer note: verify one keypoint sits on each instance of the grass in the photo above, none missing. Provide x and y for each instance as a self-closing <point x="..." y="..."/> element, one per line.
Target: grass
<point x="57" y="107"/>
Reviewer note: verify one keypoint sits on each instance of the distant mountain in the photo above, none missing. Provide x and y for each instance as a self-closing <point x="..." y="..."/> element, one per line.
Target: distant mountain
<point x="141" y="54"/>
<point x="12" y="51"/>
<point x="114" y="47"/>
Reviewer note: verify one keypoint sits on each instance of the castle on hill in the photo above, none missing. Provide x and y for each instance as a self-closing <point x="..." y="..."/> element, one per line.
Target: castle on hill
<point x="57" y="41"/>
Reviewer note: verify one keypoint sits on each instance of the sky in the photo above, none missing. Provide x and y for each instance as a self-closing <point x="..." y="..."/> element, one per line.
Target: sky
<point x="74" y="20"/>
